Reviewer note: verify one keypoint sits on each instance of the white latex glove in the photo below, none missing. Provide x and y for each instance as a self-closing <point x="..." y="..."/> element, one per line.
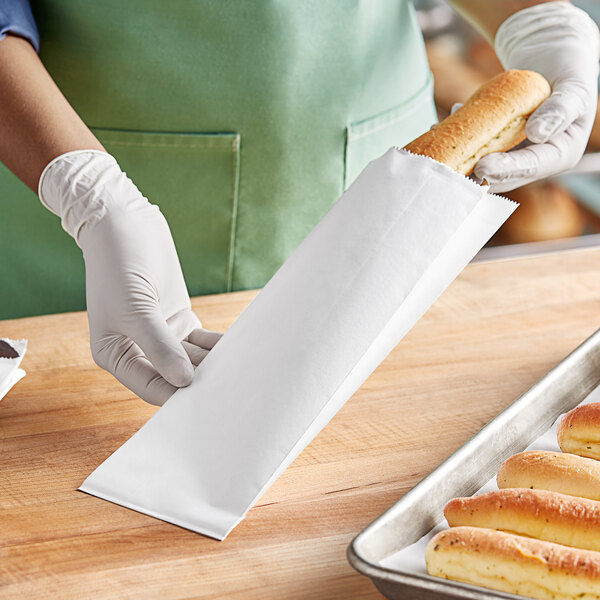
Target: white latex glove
<point x="560" y="42"/>
<point x="142" y="328"/>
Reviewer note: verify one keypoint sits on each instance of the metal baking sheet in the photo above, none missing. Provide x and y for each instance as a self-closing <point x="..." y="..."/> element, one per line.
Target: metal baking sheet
<point x="463" y="473"/>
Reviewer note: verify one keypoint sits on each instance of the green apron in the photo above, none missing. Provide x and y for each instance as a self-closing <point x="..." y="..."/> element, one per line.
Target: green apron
<point x="243" y="120"/>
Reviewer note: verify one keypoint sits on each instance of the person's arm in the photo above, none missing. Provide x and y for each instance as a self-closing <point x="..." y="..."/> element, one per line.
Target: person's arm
<point x="36" y="121"/>
<point x="142" y="328"/>
<point x="561" y="42"/>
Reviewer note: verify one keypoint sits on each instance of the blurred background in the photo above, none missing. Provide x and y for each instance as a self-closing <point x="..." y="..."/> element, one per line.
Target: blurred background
<point x="558" y="213"/>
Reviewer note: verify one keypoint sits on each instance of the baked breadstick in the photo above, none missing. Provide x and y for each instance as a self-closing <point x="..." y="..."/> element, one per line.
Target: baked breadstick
<point x="579" y="431"/>
<point x="514" y="564"/>
<point x="491" y="120"/>
<point x="539" y="514"/>
<point x="556" y="471"/>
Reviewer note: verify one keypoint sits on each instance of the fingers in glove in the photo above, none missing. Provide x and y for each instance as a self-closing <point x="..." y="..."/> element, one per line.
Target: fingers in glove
<point x="182" y="322"/>
<point x="568" y="102"/>
<point x="163" y="349"/>
<point x="505" y="171"/>
<point x="196" y="354"/>
<point x="205" y="338"/>
<point x="125" y="360"/>
<point x="455" y="107"/>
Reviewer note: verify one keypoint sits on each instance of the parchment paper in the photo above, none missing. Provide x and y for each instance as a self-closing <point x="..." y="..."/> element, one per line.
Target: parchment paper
<point x="361" y="279"/>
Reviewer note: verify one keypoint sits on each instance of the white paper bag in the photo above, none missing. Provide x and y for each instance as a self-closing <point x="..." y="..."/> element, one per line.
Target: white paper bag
<point x="361" y="279"/>
<point x="9" y="367"/>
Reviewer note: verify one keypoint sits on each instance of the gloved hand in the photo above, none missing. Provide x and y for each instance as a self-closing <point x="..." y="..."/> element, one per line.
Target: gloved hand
<point x="560" y="42"/>
<point x="142" y="328"/>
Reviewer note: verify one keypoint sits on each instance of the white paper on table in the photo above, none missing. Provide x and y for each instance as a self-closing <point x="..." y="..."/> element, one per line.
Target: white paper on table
<point x="361" y="279"/>
<point x="9" y="367"/>
<point x="412" y="558"/>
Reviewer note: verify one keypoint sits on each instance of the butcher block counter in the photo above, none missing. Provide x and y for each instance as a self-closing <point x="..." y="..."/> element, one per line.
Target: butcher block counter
<point x="498" y="328"/>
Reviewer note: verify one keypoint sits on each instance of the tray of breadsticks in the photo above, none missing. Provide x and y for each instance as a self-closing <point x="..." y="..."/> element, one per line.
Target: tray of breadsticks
<point x="513" y="513"/>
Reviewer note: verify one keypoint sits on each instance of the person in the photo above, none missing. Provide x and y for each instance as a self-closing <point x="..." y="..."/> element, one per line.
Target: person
<point x="244" y="122"/>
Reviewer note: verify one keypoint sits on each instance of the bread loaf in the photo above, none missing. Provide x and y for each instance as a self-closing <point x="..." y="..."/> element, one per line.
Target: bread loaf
<point x="579" y="431"/>
<point x="547" y="211"/>
<point x="491" y="120"/>
<point x="539" y="514"/>
<point x="514" y="564"/>
<point x="556" y="471"/>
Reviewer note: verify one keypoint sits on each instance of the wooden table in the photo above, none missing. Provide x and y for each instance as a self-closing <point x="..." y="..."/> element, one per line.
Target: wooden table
<point x="496" y="330"/>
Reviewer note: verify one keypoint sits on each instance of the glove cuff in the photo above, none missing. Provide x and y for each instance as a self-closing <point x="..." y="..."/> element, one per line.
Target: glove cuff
<point x="552" y="20"/>
<point x="80" y="187"/>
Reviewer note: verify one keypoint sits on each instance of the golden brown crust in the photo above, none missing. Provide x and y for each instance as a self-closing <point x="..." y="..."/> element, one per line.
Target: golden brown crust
<point x="555" y="471"/>
<point x="518" y="549"/>
<point x="547" y="211"/>
<point x="540" y="514"/>
<point x="579" y="431"/>
<point x="492" y="120"/>
<point x="587" y="414"/>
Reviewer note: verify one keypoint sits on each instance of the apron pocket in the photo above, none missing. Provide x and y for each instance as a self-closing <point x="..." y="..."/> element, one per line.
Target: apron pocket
<point x="194" y="178"/>
<point x="370" y="138"/>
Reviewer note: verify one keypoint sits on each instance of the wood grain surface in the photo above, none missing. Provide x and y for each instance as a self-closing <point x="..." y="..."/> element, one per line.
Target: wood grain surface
<point x="494" y="332"/>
